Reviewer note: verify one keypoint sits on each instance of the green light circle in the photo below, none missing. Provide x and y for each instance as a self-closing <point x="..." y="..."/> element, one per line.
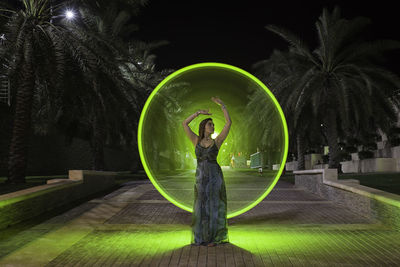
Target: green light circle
<point x="195" y="67"/>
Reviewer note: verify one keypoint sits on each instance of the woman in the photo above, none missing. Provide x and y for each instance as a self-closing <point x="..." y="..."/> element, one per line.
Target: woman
<point x="209" y="223"/>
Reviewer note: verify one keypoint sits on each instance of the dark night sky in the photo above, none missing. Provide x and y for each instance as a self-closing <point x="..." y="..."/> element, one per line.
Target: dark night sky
<point x="233" y="32"/>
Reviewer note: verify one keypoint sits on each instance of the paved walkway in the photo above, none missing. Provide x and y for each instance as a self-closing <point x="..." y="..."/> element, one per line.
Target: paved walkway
<point x="135" y="226"/>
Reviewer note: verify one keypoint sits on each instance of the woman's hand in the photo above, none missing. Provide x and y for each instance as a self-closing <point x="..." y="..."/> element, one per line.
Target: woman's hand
<point x="217" y="101"/>
<point x="204" y="112"/>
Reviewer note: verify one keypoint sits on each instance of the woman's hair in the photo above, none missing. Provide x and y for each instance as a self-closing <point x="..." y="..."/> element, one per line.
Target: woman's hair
<point x="202" y="127"/>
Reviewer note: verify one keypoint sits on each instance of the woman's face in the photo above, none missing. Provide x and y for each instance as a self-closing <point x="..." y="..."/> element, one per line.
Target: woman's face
<point x="209" y="127"/>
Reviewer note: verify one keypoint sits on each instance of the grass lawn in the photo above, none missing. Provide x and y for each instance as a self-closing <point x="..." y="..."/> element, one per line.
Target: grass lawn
<point x="389" y="182"/>
<point x="32" y="181"/>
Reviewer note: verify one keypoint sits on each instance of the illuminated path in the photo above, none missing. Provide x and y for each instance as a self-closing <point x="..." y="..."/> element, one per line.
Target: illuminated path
<point x="136" y="226"/>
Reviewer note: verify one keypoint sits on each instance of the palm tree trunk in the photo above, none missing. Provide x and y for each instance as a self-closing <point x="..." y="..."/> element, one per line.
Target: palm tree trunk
<point x="300" y="152"/>
<point x="332" y="136"/>
<point x="98" y="132"/>
<point x="98" y="145"/>
<point x="17" y="160"/>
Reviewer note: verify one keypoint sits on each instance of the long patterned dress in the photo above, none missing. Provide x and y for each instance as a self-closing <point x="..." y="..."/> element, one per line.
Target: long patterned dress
<point x="209" y="222"/>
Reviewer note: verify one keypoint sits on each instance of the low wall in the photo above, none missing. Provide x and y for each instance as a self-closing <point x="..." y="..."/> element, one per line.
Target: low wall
<point x="383" y="152"/>
<point x="396" y="152"/>
<point x="276" y="167"/>
<point x="371" y="165"/>
<point x="379" y="165"/>
<point x="352" y="166"/>
<point x="370" y="202"/>
<point x="28" y="203"/>
<point x="321" y="166"/>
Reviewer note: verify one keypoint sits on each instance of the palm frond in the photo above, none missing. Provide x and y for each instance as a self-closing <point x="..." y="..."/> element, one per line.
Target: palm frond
<point x="294" y="41"/>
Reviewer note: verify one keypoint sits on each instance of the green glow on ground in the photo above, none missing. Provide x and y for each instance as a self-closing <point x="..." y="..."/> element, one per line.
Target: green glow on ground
<point x="5" y="200"/>
<point x="275" y="245"/>
<point x="141" y="243"/>
<point x="168" y="156"/>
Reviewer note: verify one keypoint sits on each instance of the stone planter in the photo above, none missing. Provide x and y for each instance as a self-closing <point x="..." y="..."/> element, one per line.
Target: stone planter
<point x="25" y="204"/>
<point x="379" y="165"/>
<point x="371" y="165"/>
<point x="321" y="166"/>
<point x="396" y="152"/>
<point x="291" y="166"/>
<point x="312" y="159"/>
<point x="354" y="156"/>
<point x="370" y="202"/>
<point x="352" y="166"/>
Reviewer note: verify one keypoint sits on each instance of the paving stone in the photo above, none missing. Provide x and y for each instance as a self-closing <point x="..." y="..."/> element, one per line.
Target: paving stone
<point x="134" y="226"/>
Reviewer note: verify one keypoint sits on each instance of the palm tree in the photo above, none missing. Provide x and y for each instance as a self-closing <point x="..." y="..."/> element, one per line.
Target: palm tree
<point x="35" y="53"/>
<point x="111" y="115"/>
<point x="32" y="51"/>
<point x="280" y="72"/>
<point x="340" y="79"/>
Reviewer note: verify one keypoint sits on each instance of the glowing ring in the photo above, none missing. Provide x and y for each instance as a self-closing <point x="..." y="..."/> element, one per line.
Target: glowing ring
<point x="230" y="67"/>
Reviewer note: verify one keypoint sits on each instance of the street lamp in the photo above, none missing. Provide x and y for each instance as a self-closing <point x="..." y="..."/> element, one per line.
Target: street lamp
<point x="69" y="14"/>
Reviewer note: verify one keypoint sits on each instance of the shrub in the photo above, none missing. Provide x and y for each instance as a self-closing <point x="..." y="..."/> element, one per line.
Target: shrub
<point x="341" y="144"/>
<point x="394" y="131"/>
<point x="325" y="159"/>
<point x="371" y="146"/>
<point x="353" y="142"/>
<point x="394" y="142"/>
<point x="350" y="149"/>
<point x="344" y="156"/>
<point x="365" y="154"/>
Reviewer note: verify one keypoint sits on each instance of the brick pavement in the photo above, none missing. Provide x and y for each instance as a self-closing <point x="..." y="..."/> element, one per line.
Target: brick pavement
<point x="136" y="226"/>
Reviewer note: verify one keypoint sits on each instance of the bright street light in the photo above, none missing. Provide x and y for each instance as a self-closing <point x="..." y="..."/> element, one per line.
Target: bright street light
<point x="69" y="14"/>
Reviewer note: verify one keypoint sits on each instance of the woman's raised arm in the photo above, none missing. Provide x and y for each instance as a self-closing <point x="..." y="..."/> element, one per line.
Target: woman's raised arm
<point x="228" y="122"/>
<point x="194" y="138"/>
